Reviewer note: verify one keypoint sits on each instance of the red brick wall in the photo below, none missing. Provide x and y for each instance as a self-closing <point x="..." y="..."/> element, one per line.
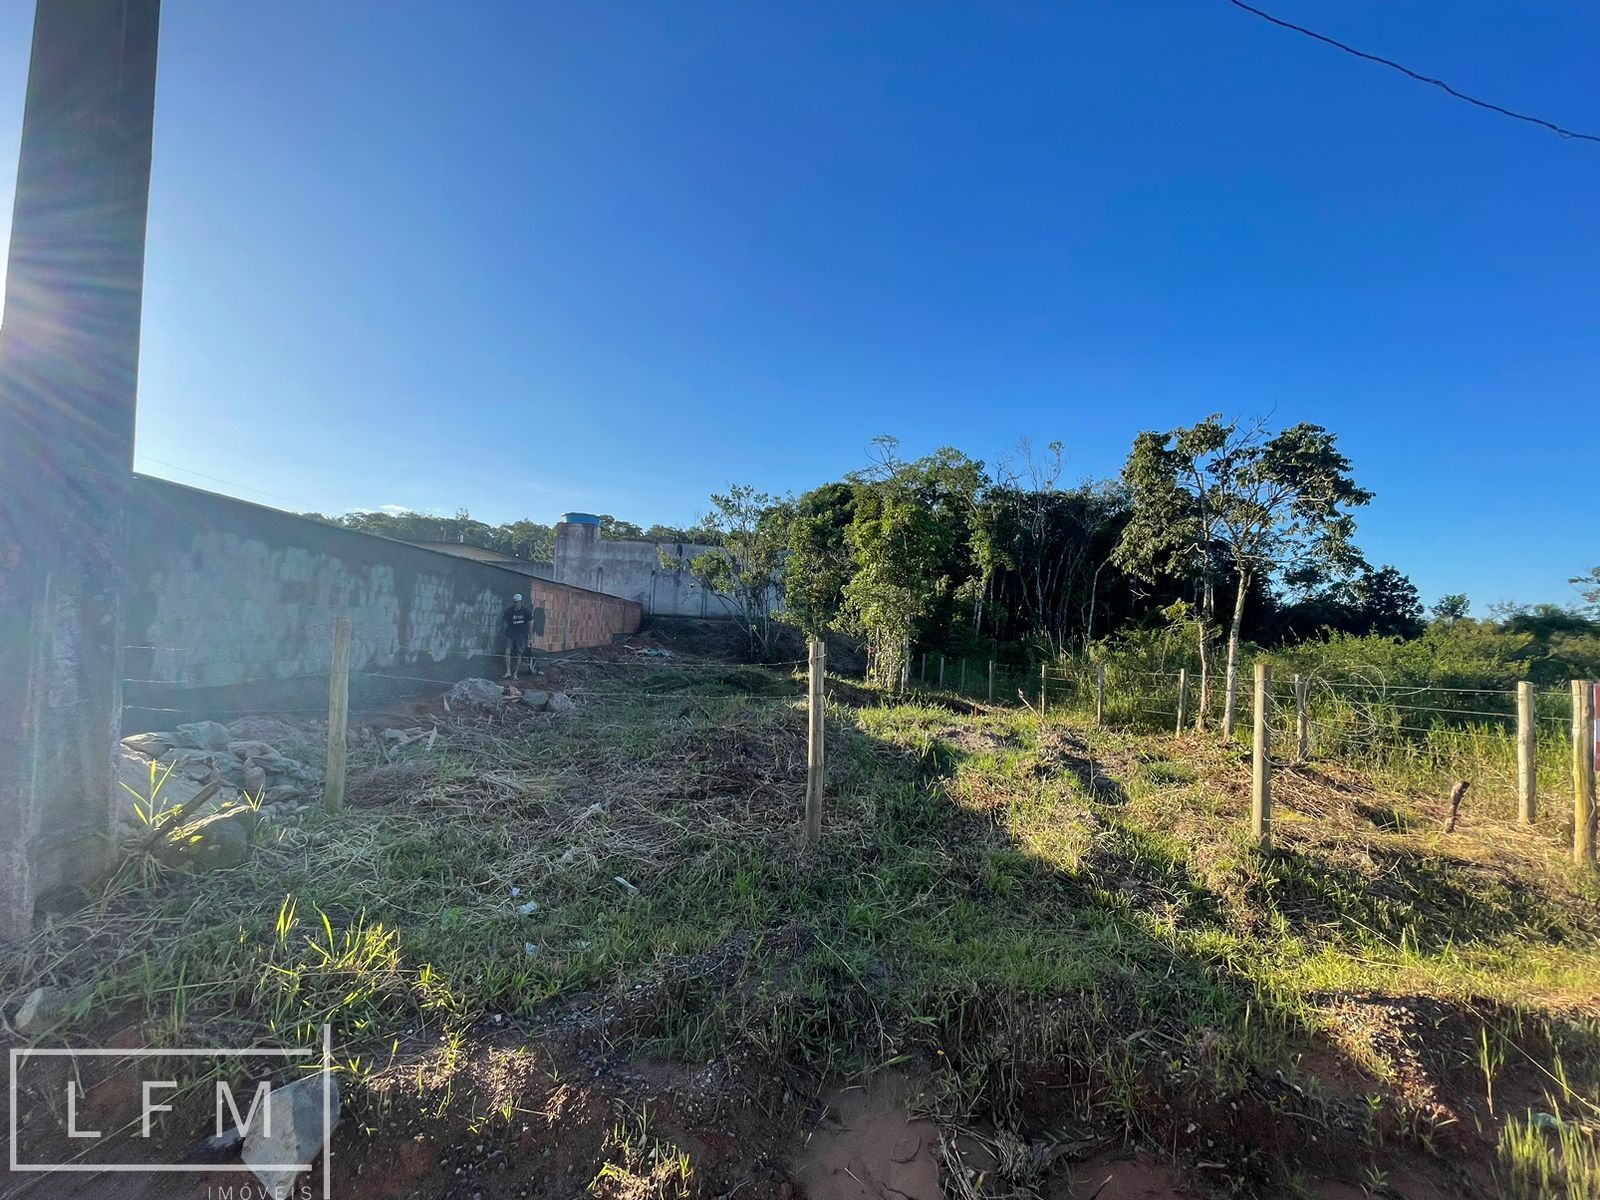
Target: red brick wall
<point x="575" y="618"/>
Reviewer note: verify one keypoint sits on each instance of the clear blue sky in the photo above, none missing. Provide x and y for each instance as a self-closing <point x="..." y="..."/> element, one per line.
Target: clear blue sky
<point x="525" y="257"/>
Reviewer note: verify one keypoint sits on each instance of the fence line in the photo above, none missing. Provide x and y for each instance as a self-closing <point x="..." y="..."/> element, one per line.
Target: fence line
<point x="1423" y="734"/>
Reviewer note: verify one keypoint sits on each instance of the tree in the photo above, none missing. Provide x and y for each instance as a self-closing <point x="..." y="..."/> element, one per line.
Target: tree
<point x="1451" y="607"/>
<point x="910" y="537"/>
<point x="1588" y="586"/>
<point x="749" y="530"/>
<point x="524" y="539"/>
<point x="820" y="561"/>
<point x="1223" y="498"/>
<point x="896" y="547"/>
<point x="1387" y="603"/>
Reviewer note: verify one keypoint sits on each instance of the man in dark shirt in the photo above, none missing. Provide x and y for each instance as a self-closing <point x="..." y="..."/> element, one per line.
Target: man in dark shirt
<point x="517" y="622"/>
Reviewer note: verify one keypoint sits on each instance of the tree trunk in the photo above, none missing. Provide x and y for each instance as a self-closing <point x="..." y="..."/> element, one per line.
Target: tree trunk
<point x="1231" y="703"/>
<point x="1204" y="706"/>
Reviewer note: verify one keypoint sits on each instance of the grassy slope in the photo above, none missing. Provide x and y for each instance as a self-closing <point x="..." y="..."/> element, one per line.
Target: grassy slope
<point x="1064" y="927"/>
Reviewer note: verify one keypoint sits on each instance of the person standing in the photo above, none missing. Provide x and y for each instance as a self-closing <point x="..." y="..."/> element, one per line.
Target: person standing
<point x="517" y="622"/>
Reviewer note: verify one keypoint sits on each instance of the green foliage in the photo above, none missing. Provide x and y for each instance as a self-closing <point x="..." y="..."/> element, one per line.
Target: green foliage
<point x="1226" y="494"/>
<point x="910" y="537"/>
<point x="1452" y="606"/>
<point x="820" y="559"/>
<point x="1042" y="555"/>
<point x="520" y="539"/>
<point x="749" y="531"/>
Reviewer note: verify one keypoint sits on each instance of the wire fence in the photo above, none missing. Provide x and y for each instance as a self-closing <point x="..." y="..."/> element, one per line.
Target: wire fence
<point x="1412" y="736"/>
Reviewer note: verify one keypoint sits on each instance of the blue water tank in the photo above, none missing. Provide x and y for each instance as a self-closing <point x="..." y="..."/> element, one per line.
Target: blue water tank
<point x="579" y="519"/>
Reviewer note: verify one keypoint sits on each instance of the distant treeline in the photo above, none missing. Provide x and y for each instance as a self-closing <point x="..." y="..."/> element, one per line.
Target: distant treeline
<point x="1219" y="533"/>
<point x="1215" y="534"/>
<point x="531" y="540"/>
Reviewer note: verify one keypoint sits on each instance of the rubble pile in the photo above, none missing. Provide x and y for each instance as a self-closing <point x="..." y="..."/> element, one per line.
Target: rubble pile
<point x="243" y="755"/>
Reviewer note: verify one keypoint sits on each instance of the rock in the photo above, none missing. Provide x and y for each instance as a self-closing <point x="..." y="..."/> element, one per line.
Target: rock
<point x="252" y="748"/>
<point x="181" y="759"/>
<point x="215" y="844"/>
<point x="133" y="773"/>
<point x="43" y="1008"/>
<point x="202" y="735"/>
<point x="255" y="780"/>
<point x="485" y="693"/>
<point x="560" y="702"/>
<point x="298" y="1125"/>
<point x="151" y="745"/>
<point x="538" y="701"/>
<point x="264" y="729"/>
<point x="280" y="764"/>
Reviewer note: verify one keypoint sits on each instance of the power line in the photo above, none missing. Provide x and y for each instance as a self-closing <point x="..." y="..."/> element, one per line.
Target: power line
<point x="218" y="479"/>
<point x="1409" y="73"/>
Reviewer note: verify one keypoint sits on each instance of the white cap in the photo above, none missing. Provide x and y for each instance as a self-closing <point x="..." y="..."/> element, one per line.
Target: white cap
<point x="518" y="596"/>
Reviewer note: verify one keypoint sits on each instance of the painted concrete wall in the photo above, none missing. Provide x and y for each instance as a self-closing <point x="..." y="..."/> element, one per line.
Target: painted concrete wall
<point x="230" y="607"/>
<point x="633" y="570"/>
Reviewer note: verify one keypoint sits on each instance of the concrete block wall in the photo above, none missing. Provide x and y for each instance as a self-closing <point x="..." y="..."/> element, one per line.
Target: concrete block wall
<point x="230" y="607"/>
<point x="634" y="571"/>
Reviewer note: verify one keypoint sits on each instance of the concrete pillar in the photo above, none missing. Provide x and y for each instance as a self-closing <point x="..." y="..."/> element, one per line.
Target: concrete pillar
<point x="69" y="359"/>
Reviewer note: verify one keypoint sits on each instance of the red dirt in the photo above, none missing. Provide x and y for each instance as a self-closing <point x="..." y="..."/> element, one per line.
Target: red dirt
<point x="866" y="1147"/>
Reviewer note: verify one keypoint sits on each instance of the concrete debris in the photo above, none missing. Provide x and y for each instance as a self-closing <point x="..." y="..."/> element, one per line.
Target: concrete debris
<point x="255" y="780"/>
<point x="133" y="773"/>
<point x="220" y="841"/>
<point x="265" y="729"/>
<point x="151" y="745"/>
<point x="42" y="1009"/>
<point x="560" y="702"/>
<point x="200" y="735"/>
<point x="299" y="1124"/>
<point x="485" y="693"/>
<point x="250" y="765"/>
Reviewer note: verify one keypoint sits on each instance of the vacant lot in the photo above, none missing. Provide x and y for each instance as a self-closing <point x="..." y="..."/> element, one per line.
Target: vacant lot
<point x="584" y="953"/>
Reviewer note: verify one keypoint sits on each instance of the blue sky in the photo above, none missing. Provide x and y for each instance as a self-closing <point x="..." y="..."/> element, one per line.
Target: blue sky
<point x="525" y="257"/>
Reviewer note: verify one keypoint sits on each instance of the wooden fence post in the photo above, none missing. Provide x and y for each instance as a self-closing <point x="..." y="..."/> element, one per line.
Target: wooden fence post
<point x="1183" y="695"/>
<point x="1583" y="771"/>
<point x="1043" y="694"/>
<point x="1100" y="694"/>
<point x="991" y="681"/>
<point x="1302" y="720"/>
<point x="815" y="743"/>
<point x="338" y="716"/>
<point x="923" y="675"/>
<point x="962" y="685"/>
<point x="941" y="672"/>
<point x="1527" y="762"/>
<point x="1261" y="763"/>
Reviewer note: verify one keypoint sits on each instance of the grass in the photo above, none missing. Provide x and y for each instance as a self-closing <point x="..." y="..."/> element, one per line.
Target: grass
<point x="1059" y="924"/>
